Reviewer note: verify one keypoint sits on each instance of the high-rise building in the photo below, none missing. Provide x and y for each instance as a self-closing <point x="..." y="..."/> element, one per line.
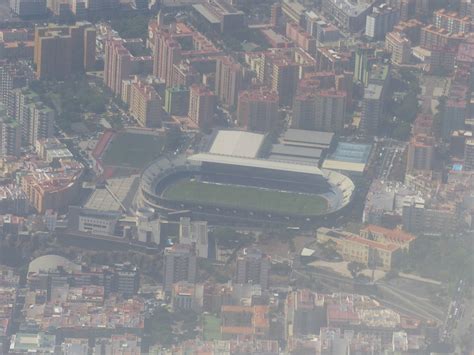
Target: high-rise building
<point x="253" y="267"/>
<point x="202" y="105"/>
<point x="399" y="46"/>
<point x="29" y="8"/>
<point x="257" y="110"/>
<point x="413" y="214"/>
<point x="284" y="80"/>
<point x="172" y="45"/>
<point x="452" y="21"/>
<point x="177" y="100"/>
<point x="12" y="76"/>
<point x="120" y="62"/>
<point x="380" y="21"/>
<point x="228" y="80"/>
<point x="304" y="313"/>
<point x="63" y="50"/>
<point x="330" y="110"/>
<point x="364" y="59"/>
<point x="469" y="155"/>
<point x="10" y="138"/>
<point x="420" y="153"/>
<point x="194" y="233"/>
<point x="35" y="118"/>
<point x="180" y="265"/>
<point x="145" y="104"/>
<point x="371" y="109"/>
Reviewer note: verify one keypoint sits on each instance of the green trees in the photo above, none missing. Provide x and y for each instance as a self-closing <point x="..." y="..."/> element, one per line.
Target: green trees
<point x="354" y="268"/>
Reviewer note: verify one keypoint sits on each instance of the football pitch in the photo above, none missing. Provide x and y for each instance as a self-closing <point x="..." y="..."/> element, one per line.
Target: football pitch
<point x="133" y="150"/>
<point x="248" y="198"/>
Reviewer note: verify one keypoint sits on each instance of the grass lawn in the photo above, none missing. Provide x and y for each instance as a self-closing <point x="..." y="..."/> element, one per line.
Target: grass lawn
<point x="133" y="150"/>
<point x="211" y="326"/>
<point x="246" y="197"/>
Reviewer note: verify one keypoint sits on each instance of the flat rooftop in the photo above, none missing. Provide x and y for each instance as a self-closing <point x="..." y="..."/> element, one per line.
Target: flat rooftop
<point x="308" y="137"/>
<point x="303" y="152"/>
<point x="237" y="144"/>
<point x="119" y="192"/>
<point x="352" y="157"/>
<point x="350" y="8"/>
<point x="373" y="92"/>
<point x="255" y="163"/>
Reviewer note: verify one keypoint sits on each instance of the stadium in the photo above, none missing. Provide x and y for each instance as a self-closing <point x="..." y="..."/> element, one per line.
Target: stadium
<point x="230" y="182"/>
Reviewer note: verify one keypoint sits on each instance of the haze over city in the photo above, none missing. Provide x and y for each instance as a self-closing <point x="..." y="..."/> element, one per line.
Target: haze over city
<point x="236" y="177"/>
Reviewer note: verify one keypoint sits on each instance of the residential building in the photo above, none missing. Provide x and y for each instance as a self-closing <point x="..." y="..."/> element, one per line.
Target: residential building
<point x="399" y="46"/>
<point x="284" y="80"/>
<point x="120" y="62"/>
<point x="304" y="313"/>
<point x="301" y="38"/>
<point x="145" y="104"/>
<point x="251" y="322"/>
<point x="35" y="118"/>
<point x="347" y="14"/>
<point x="10" y="138"/>
<point x="53" y="188"/>
<point x="194" y="233"/>
<point x="469" y="155"/>
<point x="202" y="105"/>
<point x="257" y="109"/>
<point x="29" y="8"/>
<point x="179" y="265"/>
<point x="413" y="214"/>
<point x="63" y="50"/>
<point x="176" y="45"/>
<point x="177" y="100"/>
<point x="420" y="153"/>
<point x="13" y="200"/>
<point x="371" y="109"/>
<point x="433" y="37"/>
<point x="380" y="21"/>
<point x="293" y="10"/>
<point x="220" y="16"/>
<point x="452" y="21"/>
<point x="12" y="76"/>
<point x="229" y="79"/>
<point x="252" y="267"/>
<point x="330" y="110"/>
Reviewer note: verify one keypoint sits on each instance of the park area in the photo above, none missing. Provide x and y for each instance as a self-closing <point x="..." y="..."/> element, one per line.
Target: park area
<point x="133" y="150"/>
<point x="245" y="197"/>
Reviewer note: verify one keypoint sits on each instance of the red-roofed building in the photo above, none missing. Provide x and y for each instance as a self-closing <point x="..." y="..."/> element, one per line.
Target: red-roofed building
<point x="390" y="236"/>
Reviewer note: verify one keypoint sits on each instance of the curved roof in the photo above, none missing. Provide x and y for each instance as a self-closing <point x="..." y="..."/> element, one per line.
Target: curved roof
<point x="51" y="263"/>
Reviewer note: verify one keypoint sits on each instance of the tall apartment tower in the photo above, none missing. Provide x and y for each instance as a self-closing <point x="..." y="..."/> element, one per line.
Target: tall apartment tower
<point x="180" y="265"/>
<point x="194" y="233"/>
<point x="252" y="267"/>
<point x="228" y="80"/>
<point x="469" y="155"/>
<point x="284" y="80"/>
<point x="371" y="109"/>
<point x="145" y="104"/>
<point x="202" y="105"/>
<point x="120" y="63"/>
<point x="257" y="109"/>
<point x="35" y="118"/>
<point x="330" y="110"/>
<point x="63" y="50"/>
<point x="420" y="153"/>
<point x="10" y="138"/>
<point x="380" y="21"/>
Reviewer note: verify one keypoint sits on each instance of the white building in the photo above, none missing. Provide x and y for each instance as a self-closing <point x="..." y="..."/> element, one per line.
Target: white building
<point x="194" y="233"/>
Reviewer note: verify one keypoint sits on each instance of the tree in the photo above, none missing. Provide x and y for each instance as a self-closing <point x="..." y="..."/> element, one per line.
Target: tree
<point x="354" y="268"/>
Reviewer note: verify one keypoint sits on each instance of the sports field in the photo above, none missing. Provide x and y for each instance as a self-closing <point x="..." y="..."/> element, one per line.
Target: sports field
<point x="132" y="150"/>
<point x="250" y="198"/>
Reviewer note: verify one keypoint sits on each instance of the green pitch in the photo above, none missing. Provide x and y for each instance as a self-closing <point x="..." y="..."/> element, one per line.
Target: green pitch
<point x="250" y="198"/>
<point x="133" y="150"/>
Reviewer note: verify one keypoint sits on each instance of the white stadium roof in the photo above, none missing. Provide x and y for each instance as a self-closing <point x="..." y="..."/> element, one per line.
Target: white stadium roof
<point x="237" y="143"/>
<point x="255" y="163"/>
